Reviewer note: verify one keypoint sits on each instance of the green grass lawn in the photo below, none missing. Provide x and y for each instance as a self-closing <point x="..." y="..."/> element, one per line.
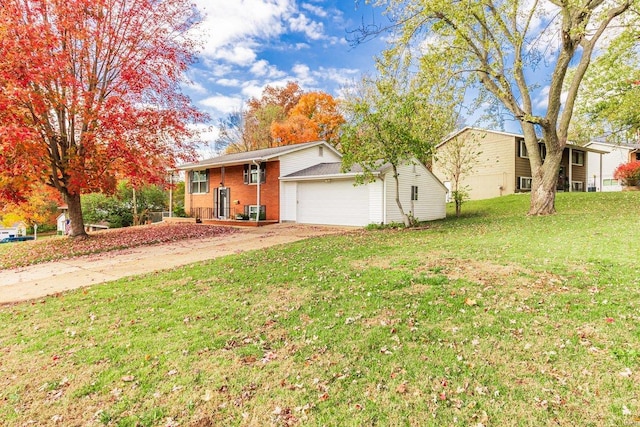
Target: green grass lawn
<point x="493" y="319"/>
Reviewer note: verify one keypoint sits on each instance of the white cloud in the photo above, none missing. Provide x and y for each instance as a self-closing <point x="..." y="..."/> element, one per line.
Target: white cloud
<point x="302" y="24"/>
<point x="222" y="104"/>
<point x="239" y="55"/>
<point x="302" y="74"/>
<point x="194" y="86"/>
<point x="541" y="100"/>
<point x="229" y="82"/>
<point x="262" y="68"/>
<point x="233" y="31"/>
<point x="342" y="76"/>
<point x="316" y="10"/>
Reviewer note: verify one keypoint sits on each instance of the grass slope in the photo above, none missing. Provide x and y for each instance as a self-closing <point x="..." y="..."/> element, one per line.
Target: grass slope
<point x="494" y="319"/>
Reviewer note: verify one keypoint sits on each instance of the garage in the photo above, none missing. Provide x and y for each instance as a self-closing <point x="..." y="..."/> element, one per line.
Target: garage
<point x="332" y="202"/>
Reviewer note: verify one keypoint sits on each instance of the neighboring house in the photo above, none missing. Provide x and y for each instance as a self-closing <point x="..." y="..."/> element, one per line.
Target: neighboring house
<point x="503" y="167"/>
<point x="303" y="183"/>
<point x="63" y="224"/>
<point x="615" y="154"/>
<point x="17" y="229"/>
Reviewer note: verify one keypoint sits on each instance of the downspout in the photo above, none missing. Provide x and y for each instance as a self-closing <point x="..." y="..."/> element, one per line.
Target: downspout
<point x="384" y="200"/>
<point x="257" y="190"/>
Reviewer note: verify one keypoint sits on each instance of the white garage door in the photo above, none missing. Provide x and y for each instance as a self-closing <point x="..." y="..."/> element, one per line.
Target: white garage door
<point x="333" y="203"/>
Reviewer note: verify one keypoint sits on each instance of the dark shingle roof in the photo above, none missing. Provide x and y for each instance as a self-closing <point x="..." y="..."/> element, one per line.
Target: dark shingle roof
<point x="264" y="154"/>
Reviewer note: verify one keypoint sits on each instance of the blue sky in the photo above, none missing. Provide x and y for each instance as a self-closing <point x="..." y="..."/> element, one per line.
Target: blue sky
<point x="249" y="44"/>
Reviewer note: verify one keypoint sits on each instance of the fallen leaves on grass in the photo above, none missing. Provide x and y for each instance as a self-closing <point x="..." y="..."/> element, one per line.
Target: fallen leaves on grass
<point x="28" y="253"/>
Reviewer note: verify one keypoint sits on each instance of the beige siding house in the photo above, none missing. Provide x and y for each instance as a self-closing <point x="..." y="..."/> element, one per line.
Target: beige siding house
<point x="503" y="164"/>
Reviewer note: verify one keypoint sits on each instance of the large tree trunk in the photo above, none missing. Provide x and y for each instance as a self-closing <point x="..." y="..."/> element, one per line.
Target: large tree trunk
<point x="75" y="216"/>
<point x="545" y="181"/>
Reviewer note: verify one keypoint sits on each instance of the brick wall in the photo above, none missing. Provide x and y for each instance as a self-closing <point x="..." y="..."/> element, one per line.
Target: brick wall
<point x="243" y="194"/>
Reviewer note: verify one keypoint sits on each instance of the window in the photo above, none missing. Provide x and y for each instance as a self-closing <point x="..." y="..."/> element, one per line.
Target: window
<point x="199" y="182"/>
<point x="609" y="182"/>
<point x="577" y="158"/>
<point x="321" y="151"/>
<point x="577" y="186"/>
<point x="414" y="192"/>
<point x="523" y="150"/>
<point x="250" y="174"/>
<point x="524" y="183"/>
<point x="251" y="210"/>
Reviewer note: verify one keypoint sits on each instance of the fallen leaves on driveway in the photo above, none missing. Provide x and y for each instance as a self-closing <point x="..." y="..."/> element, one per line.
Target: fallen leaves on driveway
<point x="57" y="248"/>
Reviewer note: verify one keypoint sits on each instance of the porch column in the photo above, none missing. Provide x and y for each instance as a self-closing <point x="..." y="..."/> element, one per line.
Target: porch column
<point x="570" y="169"/>
<point x="601" y="180"/>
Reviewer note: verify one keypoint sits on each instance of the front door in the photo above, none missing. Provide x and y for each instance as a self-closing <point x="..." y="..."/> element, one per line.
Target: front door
<point x="223" y="202"/>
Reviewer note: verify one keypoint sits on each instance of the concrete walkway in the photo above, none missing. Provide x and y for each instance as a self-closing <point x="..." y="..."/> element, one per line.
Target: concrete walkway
<point x="40" y="280"/>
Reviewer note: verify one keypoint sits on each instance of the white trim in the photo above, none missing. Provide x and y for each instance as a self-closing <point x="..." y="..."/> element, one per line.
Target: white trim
<point x="579" y="187"/>
<point x="521" y="178"/>
<point x="211" y="163"/>
<point x="520" y="147"/>
<point x="578" y="152"/>
<point x="345" y="175"/>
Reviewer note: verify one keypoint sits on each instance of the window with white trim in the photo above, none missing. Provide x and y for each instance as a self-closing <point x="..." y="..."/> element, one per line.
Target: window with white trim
<point x="524" y="183"/>
<point x="577" y="158"/>
<point x="610" y="182"/>
<point x="199" y="182"/>
<point x="522" y="152"/>
<point x="414" y="192"/>
<point x="250" y="174"/>
<point x="252" y="210"/>
<point x="577" y="185"/>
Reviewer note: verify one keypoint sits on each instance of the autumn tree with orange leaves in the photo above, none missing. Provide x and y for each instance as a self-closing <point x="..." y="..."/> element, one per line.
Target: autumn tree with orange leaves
<point x="89" y="94"/>
<point x="281" y="116"/>
<point x="315" y="117"/>
<point x="40" y="207"/>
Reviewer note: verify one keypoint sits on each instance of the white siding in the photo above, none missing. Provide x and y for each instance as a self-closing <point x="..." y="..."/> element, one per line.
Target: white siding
<point x="288" y="201"/>
<point x="337" y="202"/>
<point x="610" y="161"/>
<point x="431" y="194"/>
<point x="298" y="160"/>
<point x="376" y="202"/>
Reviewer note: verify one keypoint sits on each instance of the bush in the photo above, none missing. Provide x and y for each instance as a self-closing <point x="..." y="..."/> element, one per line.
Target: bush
<point x="628" y="173"/>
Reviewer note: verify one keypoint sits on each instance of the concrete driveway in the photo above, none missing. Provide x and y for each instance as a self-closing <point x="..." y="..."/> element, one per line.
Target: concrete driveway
<point x="40" y="280"/>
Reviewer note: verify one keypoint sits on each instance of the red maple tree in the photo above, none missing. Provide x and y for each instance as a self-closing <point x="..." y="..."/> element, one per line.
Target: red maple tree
<point x="90" y="94"/>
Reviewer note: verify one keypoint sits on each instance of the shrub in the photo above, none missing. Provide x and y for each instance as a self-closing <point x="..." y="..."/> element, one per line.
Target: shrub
<point x="628" y="173"/>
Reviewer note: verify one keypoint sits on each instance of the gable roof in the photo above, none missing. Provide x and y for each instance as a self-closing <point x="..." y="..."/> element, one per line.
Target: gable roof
<point x="333" y="171"/>
<point x="257" y="155"/>
<point x="328" y="170"/>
